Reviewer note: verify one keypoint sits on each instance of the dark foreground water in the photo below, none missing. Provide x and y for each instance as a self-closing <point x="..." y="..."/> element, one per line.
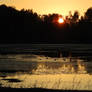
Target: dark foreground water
<point x="46" y="66"/>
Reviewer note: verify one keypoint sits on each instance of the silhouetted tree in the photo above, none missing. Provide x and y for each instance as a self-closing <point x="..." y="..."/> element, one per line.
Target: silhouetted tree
<point x="75" y="17"/>
<point x="26" y="26"/>
<point x="88" y="14"/>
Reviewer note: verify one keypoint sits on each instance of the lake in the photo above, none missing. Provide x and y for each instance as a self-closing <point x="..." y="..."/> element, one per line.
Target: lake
<point x="50" y="66"/>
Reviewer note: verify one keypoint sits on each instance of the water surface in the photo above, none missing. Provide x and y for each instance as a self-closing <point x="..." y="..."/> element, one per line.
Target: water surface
<point x="46" y="68"/>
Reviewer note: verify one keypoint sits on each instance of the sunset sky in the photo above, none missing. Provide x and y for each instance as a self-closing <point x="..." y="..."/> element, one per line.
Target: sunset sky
<point x="51" y="6"/>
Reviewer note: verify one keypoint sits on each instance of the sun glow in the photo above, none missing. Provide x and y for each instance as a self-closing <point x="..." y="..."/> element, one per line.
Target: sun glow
<point x="60" y="20"/>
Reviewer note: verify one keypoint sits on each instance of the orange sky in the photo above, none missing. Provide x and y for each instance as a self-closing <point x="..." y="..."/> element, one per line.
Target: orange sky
<point x="51" y="6"/>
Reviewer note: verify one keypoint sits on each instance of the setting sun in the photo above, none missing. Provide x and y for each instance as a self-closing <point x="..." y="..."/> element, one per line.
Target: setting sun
<point x="60" y="20"/>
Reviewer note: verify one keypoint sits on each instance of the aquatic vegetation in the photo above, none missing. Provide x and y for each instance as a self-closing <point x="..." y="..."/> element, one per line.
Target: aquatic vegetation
<point x="51" y="81"/>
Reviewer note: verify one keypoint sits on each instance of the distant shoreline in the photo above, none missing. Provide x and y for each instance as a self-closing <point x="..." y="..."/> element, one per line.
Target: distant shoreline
<point x="40" y="44"/>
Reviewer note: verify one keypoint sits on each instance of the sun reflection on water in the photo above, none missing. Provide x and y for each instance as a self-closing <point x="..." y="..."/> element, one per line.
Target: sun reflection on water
<point x="65" y="68"/>
<point x="63" y="73"/>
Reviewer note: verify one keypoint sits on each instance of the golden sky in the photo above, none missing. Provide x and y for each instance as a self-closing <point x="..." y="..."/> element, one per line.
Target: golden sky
<point x="51" y="6"/>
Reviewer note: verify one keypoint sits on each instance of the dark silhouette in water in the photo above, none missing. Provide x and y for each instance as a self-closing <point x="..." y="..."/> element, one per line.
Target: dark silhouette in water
<point x="38" y="90"/>
<point x="12" y="80"/>
<point x="26" y="26"/>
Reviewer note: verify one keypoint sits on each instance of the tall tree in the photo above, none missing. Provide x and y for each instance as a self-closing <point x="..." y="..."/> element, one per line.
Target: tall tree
<point x="88" y="14"/>
<point x="75" y="17"/>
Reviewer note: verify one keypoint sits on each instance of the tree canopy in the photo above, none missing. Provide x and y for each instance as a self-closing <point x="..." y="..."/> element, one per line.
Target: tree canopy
<point x="26" y="26"/>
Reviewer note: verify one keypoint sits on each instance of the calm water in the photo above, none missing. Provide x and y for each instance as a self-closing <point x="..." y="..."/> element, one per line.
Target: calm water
<point x="54" y="68"/>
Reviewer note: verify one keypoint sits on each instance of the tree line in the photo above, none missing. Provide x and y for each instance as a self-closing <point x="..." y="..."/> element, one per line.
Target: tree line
<point x="26" y="26"/>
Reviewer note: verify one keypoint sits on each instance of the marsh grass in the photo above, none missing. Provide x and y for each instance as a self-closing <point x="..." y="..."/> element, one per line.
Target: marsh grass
<point x="49" y="75"/>
<point x="59" y="82"/>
